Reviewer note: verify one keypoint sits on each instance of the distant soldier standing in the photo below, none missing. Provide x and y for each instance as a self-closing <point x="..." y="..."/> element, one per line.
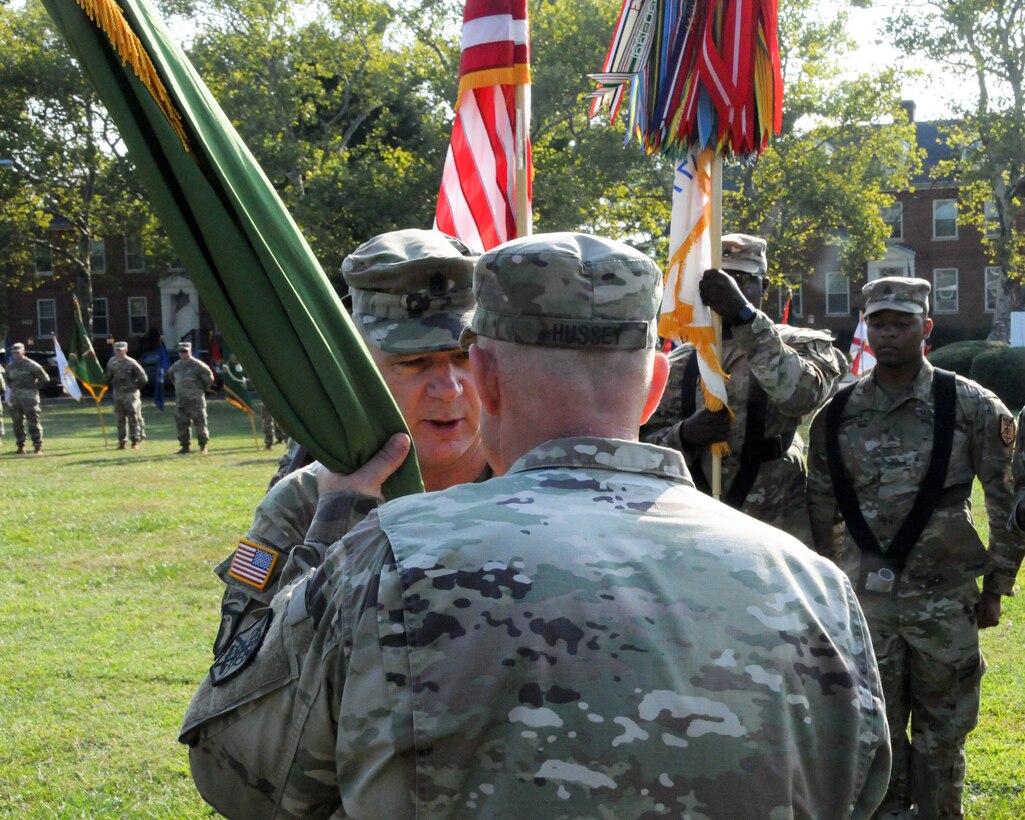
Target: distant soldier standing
<point x="3" y="388"/>
<point x="893" y="457"/>
<point x="191" y="378"/>
<point x="125" y="377"/>
<point x="271" y="429"/>
<point x="26" y="377"/>
<point x="778" y="375"/>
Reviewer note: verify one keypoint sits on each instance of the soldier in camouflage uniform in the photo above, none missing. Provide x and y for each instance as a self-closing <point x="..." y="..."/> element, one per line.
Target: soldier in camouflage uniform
<point x="778" y="374"/>
<point x="411" y="294"/>
<point x="3" y="389"/>
<point x="585" y="636"/>
<point x="25" y="378"/>
<point x="271" y="429"/>
<point x="125" y="377"/>
<point x="1016" y="521"/>
<point x="192" y="379"/>
<point x="893" y="457"/>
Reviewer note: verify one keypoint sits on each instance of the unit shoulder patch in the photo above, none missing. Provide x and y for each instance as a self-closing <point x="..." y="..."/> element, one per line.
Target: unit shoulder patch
<point x="240" y="651"/>
<point x="1007" y="430"/>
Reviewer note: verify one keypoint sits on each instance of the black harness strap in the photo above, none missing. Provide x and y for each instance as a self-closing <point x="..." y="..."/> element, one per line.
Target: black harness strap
<point x="930" y="492"/>
<point x="756" y="449"/>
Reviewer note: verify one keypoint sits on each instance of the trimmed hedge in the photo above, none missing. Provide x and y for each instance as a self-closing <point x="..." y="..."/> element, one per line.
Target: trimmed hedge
<point x="1003" y="372"/>
<point x="959" y="356"/>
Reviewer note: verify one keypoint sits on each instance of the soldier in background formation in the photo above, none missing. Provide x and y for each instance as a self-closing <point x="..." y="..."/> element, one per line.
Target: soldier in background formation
<point x="3" y="390"/>
<point x="1016" y="521"/>
<point x="893" y="458"/>
<point x="521" y="624"/>
<point x="271" y="429"/>
<point x="778" y="374"/>
<point x="125" y="377"/>
<point x="26" y="377"/>
<point x="192" y="379"/>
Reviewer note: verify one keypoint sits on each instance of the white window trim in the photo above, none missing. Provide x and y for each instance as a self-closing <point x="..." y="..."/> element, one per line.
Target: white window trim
<point x="957" y="289"/>
<point x="101" y="251"/>
<point x="39" y="319"/>
<point x="142" y="251"/>
<point x="828" y="293"/>
<point x="899" y="220"/>
<point x="936" y="238"/>
<point x="96" y="334"/>
<point x="145" y="315"/>
<point x="985" y="289"/>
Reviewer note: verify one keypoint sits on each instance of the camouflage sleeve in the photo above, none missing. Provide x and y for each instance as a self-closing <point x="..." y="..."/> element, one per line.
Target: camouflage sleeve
<point x="822" y="506"/>
<point x="992" y="441"/>
<point x="798" y="373"/>
<point x="1017" y="473"/>
<point x="206" y="376"/>
<point x="141" y="378"/>
<point x="41" y="375"/>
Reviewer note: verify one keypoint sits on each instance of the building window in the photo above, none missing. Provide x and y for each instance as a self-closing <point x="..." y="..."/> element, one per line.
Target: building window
<point x="944" y="290"/>
<point x="138" y="316"/>
<point x="994" y="281"/>
<point x="797" y="303"/>
<point x="992" y="217"/>
<point x="894" y="217"/>
<point x="97" y="256"/>
<point x="135" y="255"/>
<point x="838" y="294"/>
<point x="44" y="259"/>
<point x="944" y="219"/>
<point x="46" y="316"/>
<point x="101" y="319"/>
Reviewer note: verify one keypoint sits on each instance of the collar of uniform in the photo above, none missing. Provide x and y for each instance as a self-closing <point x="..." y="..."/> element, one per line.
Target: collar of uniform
<point x="605" y="454"/>
<point x="920" y="388"/>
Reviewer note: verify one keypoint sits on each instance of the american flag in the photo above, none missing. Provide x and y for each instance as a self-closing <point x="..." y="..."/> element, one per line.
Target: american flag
<point x="488" y="160"/>
<point x="252" y="564"/>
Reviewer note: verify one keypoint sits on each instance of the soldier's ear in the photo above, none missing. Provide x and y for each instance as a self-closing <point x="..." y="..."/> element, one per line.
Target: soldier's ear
<point x="485" y="376"/>
<point x="659" y="378"/>
<point x="927" y="326"/>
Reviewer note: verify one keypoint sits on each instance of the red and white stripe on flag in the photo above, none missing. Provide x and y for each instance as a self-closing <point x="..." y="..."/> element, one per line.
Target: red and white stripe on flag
<point x="252" y="564"/>
<point x="477" y="200"/>
<point x="863" y="359"/>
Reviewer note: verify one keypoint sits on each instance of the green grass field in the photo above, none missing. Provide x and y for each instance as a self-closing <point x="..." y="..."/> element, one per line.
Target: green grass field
<point x="108" y="608"/>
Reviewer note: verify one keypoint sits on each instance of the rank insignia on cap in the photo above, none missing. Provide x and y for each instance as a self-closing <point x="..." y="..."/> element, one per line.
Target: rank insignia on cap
<point x="252" y="564"/>
<point x="241" y="650"/>
<point x="1007" y="430"/>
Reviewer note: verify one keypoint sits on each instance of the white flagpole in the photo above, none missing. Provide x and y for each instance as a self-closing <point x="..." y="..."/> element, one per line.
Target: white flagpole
<point x="524" y="226"/>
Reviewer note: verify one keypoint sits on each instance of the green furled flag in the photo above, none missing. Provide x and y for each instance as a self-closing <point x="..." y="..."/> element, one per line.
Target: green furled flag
<point x="235" y="390"/>
<point x="251" y="265"/>
<point x="82" y="359"/>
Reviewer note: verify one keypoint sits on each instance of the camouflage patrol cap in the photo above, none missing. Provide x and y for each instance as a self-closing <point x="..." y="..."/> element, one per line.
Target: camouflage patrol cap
<point x="17" y="347"/>
<point x="184" y="346"/>
<point x="120" y="345"/>
<point x="411" y="290"/>
<point x="901" y="293"/>
<point x="566" y="290"/>
<point x="744" y="253"/>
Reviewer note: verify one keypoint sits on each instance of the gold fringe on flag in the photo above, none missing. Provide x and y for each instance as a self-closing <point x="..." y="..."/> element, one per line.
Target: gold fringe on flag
<point x="107" y="14"/>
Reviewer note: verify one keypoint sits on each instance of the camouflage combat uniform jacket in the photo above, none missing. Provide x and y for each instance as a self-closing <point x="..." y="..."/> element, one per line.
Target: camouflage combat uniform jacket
<point x="886" y="446"/>
<point x="125" y="377"/>
<point x="25" y="377"/>
<point x="584" y="636"/>
<point x="1018" y="472"/>
<point x="798" y="369"/>
<point x="191" y="378"/>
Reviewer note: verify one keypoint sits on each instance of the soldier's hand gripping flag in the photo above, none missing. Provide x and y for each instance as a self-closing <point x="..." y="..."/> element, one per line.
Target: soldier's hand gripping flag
<point x="252" y="267"/>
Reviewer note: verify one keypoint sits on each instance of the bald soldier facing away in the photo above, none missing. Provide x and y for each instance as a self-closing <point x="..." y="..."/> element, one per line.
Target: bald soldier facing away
<point x="893" y="457"/>
<point x="778" y="375"/>
<point x="588" y="634"/>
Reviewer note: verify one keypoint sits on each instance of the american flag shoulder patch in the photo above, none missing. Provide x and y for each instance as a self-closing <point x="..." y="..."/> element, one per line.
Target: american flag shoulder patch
<point x="253" y="564"/>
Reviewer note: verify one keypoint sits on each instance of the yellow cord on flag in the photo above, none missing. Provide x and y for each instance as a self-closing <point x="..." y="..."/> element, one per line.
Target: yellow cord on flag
<point x="107" y="14"/>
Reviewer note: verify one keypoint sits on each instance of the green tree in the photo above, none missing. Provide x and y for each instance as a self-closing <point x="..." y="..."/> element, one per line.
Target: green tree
<point x="67" y="184"/>
<point x="983" y="43"/>
<point x="827" y="177"/>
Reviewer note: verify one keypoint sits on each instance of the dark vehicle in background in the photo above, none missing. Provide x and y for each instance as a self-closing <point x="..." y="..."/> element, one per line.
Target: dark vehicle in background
<point x="49" y="363"/>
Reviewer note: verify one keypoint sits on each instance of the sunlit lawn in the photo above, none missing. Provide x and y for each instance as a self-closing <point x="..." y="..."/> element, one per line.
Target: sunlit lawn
<point x="108" y="608"/>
